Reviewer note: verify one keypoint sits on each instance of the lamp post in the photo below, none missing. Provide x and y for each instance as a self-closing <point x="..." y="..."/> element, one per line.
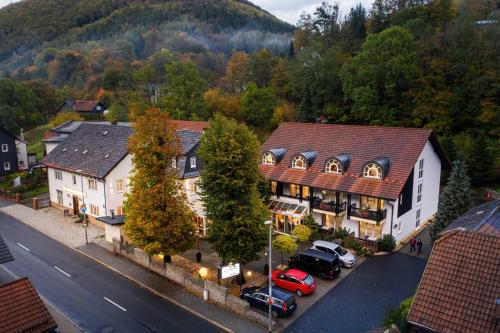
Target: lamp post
<point x="203" y="274"/>
<point x="84" y="209"/>
<point x="270" y="245"/>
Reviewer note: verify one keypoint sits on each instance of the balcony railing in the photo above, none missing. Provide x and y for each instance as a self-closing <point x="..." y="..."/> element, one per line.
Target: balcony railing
<point x="329" y="206"/>
<point x="367" y="214"/>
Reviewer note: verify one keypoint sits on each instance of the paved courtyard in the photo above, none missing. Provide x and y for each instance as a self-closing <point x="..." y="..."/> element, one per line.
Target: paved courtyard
<point x="360" y="301"/>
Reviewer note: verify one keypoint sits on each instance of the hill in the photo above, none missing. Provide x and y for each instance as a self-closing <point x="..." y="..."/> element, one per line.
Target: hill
<point x="33" y="32"/>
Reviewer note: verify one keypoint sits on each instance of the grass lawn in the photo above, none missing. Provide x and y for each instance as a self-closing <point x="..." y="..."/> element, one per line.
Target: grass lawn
<point x="34" y="138"/>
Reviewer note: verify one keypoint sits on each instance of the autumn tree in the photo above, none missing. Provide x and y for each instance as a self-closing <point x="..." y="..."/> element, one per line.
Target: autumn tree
<point x="159" y="219"/>
<point x="216" y="101"/>
<point x="229" y="180"/>
<point x="236" y="72"/>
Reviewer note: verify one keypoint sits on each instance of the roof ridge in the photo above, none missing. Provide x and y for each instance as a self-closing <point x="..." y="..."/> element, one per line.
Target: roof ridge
<point x="356" y="125"/>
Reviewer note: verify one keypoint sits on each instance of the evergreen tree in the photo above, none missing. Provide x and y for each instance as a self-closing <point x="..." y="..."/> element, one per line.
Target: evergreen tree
<point x="291" y="50"/>
<point x="480" y="162"/>
<point x="158" y="217"/>
<point x="454" y="200"/>
<point x="230" y="180"/>
<point x="306" y="107"/>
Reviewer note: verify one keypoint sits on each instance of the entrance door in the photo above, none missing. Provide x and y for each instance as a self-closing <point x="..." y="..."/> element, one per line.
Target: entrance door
<point x="76" y="205"/>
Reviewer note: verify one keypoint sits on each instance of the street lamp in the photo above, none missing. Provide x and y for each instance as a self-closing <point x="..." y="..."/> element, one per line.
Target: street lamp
<point x="84" y="208"/>
<point x="270" y="245"/>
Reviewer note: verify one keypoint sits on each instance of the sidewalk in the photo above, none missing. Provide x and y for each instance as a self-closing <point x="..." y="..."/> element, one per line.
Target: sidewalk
<point x="54" y="224"/>
<point x="425" y="236"/>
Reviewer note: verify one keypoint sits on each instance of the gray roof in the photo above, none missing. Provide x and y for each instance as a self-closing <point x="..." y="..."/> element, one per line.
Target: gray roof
<point x="117" y="220"/>
<point x="484" y="218"/>
<point x="95" y="149"/>
<point x="278" y="153"/>
<point x="188" y="140"/>
<point x="71" y="125"/>
<point x="5" y="255"/>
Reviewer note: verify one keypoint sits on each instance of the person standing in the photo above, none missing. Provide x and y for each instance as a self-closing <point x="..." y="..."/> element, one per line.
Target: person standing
<point x="419" y="246"/>
<point x="413" y="243"/>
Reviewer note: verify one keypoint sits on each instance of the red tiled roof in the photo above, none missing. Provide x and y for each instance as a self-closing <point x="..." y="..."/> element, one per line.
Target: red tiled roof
<point x="364" y="143"/>
<point x="460" y="285"/>
<point x="195" y="126"/>
<point x="84" y="105"/>
<point x="22" y="310"/>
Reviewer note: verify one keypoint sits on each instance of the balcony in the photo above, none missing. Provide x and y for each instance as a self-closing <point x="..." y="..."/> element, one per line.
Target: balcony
<point x="367" y="214"/>
<point x="328" y="206"/>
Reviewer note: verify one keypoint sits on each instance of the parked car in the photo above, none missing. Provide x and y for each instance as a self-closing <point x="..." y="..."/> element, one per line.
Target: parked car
<point x="322" y="264"/>
<point x="283" y="303"/>
<point x="347" y="259"/>
<point x="294" y="280"/>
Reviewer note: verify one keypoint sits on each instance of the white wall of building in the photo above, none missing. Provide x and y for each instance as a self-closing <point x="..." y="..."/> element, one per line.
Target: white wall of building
<point x="22" y="155"/>
<point x="114" y="197"/>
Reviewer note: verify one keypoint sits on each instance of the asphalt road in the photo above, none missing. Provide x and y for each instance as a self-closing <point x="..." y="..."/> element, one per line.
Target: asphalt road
<point x="360" y="302"/>
<point x="92" y="296"/>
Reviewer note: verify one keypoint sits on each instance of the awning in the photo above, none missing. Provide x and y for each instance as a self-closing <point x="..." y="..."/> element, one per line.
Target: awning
<point x="288" y="209"/>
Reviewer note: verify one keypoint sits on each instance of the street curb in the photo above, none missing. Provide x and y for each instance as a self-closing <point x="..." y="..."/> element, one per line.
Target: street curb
<point x="157" y="293"/>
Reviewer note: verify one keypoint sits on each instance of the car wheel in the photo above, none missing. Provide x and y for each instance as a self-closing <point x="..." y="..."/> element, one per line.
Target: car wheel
<point x="275" y="314"/>
<point x="299" y="292"/>
<point x="322" y="276"/>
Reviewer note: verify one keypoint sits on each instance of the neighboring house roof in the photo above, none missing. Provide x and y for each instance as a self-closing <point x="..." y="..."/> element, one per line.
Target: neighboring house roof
<point x="401" y="146"/>
<point x="460" y="285"/>
<point x="22" y="309"/>
<point x="484" y="218"/>
<point x="196" y="126"/>
<point x="15" y="137"/>
<point x="117" y="220"/>
<point x="94" y="149"/>
<point x="81" y="105"/>
<point x="5" y="255"/>
<point x="188" y="140"/>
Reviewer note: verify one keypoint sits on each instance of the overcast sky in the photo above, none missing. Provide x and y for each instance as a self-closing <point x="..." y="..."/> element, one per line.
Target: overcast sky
<point x="287" y="10"/>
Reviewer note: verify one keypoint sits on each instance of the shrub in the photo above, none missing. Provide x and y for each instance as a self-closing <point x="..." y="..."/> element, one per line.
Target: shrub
<point x="302" y="232"/>
<point x="398" y="316"/>
<point x="349" y="242"/>
<point x="387" y="243"/>
<point x="311" y="224"/>
<point x="357" y="247"/>
<point x="340" y="233"/>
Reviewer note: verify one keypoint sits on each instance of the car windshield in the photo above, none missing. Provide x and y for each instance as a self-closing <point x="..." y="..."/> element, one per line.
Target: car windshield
<point x="341" y="251"/>
<point x="289" y="302"/>
<point x="308" y="280"/>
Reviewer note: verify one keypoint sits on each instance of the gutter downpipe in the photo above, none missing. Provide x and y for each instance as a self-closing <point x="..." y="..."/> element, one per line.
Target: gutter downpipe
<point x="392" y="215"/>
<point x="105" y="204"/>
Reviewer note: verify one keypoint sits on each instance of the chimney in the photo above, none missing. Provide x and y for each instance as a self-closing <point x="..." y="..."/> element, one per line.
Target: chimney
<point x="112" y="213"/>
<point x="21" y="134"/>
<point x="114" y="122"/>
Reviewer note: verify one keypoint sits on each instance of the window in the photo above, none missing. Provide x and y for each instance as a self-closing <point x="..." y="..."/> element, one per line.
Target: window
<point x="421" y="169"/>
<point x="192" y="161"/>
<point x="5" y="147"/>
<point x="21" y="163"/>
<point x="94" y="210"/>
<point x="6" y="166"/>
<point x="93" y="184"/>
<point x="294" y="190"/>
<point x="401" y="199"/>
<point x="299" y="162"/>
<point x="174" y="163"/>
<point x="417" y="218"/>
<point x="305" y="192"/>
<point x="18" y="150"/>
<point x="370" y="203"/>
<point x="98" y="108"/>
<point x="119" y="186"/>
<point x="274" y="187"/>
<point x="59" y="197"/>
<point x="74" y="179"/>
<point x="119" y="210"/>
<point x="268" y="158"/>
<point x="372" y="170"/>
<point x="58" y="174"/>
<point x="419" y="193"/>
<point x="333" y="166"/>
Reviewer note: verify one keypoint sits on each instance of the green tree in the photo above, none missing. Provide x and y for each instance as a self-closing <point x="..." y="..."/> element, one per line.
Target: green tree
<point x="380" y="77"/>
<point x="454" y="200"/>
<point x="63" y="117"/>
<point x="302" y="232"/>
<point x="230" y="177"/>
<point x="480" y="162"/>
<point x="118" y="112"/>
<point x="398" y="316"/>
<point x="313" y="226"/>
<point x="285" y="244"/>
<point x="257" y="105"/>
<point x="17" y="106"/>
<point x="184" y="90"/>
<point x="159" y="219"/>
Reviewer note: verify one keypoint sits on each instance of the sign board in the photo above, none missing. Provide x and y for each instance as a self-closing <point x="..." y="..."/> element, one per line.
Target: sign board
<point x="83" y="208"/>
<point x="228" y="271"/>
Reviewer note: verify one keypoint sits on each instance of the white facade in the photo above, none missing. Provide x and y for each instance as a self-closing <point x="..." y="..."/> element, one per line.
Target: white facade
<point x="22" y="155"/>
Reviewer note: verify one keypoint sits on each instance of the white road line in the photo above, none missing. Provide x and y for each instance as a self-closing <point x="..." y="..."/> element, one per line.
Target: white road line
<point x="119" y="307"/>
<point x="24" y="247"/>
<point x="60" y="270"/>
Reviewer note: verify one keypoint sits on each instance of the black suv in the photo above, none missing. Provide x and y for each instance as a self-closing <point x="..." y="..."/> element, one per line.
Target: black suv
<point x="315" y="262"/>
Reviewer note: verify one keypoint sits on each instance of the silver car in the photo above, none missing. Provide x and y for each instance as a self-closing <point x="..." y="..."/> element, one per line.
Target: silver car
<point x="347" y="259"/>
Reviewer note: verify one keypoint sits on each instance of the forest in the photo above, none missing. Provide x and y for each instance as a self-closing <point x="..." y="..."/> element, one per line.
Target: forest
<point x="413" y="63"/>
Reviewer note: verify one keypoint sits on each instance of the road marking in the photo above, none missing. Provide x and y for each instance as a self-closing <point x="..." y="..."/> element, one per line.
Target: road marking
<point x="119" y="307"/>
<point x="24" y="247"/>
<point x="60" y="270"/>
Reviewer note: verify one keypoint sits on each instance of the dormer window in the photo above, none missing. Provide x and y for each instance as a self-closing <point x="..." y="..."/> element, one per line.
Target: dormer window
<point x="333" y="166"/>
<point x="372" y="170"/>
<point x="299" y="162"/>
<point x="268" y="159"/>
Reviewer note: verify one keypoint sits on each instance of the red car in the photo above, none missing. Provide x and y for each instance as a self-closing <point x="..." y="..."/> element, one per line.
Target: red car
<point x="294" y="280"/>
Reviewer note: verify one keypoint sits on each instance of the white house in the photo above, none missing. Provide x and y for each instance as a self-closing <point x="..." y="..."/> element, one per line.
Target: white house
<point x="91" y="167"/>
<point x="369" y="180"/>
<point x="22" y="152"/>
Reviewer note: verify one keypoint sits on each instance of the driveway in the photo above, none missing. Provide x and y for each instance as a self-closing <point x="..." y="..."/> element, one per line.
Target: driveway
<point x="360" y="301"/>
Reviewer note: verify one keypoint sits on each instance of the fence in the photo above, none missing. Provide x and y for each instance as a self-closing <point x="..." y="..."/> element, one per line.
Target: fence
<point x="216" y="294"/>
<point x="372" y="245"/>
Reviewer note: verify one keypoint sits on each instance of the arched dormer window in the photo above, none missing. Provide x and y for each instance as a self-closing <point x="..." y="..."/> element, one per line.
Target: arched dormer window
<point x="372" y="170"/>
<point x="299" y="162"/>
<point x="268" y="159"/>
<point x="333" y="166"/>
